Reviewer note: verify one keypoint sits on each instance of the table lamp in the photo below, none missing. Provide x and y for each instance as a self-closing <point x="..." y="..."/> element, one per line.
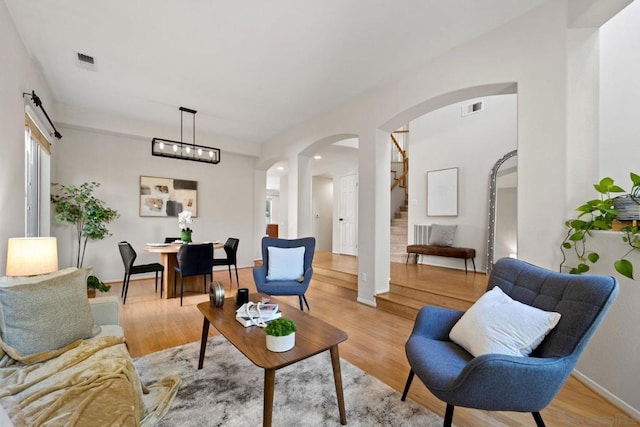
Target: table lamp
<point x="29" y="256"/>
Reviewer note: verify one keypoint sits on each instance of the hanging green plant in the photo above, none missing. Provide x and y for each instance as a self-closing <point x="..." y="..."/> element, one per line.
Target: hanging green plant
<point x="599" y="214"/>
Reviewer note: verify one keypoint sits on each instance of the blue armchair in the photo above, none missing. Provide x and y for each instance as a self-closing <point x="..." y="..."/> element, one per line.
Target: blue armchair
<point x="497" y="382"/>
<point x="286" y="287"/>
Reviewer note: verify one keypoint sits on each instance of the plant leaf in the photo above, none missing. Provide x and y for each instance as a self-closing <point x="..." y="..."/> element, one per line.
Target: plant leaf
<point x="635" y="179"/>
<point x="577" y="236"/>
<point x="582" y="268"/>
<point x="566" y="245"/>
<point x="593" y="257"/>
<point x="624" y="267"/>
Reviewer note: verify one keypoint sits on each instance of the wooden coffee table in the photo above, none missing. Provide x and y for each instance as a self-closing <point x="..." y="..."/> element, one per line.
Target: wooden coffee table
<point x="313" y="336"/>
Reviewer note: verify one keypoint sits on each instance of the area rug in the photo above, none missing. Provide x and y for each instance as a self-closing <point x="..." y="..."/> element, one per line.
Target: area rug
<point x="228" y="391"/>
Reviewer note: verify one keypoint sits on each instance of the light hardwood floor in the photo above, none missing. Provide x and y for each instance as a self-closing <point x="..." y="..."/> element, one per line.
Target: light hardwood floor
<point x="375" y="344"/>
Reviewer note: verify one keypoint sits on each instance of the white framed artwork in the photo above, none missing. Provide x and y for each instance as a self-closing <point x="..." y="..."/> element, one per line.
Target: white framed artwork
<point x="442" y="192"/>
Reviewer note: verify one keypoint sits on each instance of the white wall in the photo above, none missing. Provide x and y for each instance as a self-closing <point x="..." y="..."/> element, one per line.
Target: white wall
<point x="611" y="359"/>
<point x="18" y="74"/>
<point x="225" y="197"/>
<point x="620" y="96"/>
<point x="509" y="54"/>
<point x="444" y="139"/>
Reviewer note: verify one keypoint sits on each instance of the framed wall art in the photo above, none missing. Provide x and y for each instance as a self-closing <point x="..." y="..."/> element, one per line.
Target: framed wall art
<point x="442" y="192"/>
<point x="162" y="197"/>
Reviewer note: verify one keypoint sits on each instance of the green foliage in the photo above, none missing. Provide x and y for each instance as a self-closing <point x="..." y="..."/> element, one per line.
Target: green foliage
<point x="598" y="214"/>
<point x="94" y="283"/>
<point x="280" y="327"/>
<point x="90" y="215"/>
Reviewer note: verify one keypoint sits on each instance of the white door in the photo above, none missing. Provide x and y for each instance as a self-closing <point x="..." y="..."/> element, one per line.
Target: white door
<point x="348" y="215"/>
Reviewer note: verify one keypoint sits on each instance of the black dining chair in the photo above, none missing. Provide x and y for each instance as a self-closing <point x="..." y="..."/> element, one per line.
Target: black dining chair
<point x="194" y="260"/>
<point x="129" y="256"/>
<point x="171" y="239"/>
<point x="231" y="249"/>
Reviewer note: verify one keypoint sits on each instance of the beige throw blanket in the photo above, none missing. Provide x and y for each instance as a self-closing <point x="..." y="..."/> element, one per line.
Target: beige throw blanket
<point x="93" y="384"/>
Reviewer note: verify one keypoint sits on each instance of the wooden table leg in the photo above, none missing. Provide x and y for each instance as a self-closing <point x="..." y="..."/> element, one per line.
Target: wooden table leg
<point x="269" y="384"/>
<point x="337" y="378"/>
<point x="203" y="341"/>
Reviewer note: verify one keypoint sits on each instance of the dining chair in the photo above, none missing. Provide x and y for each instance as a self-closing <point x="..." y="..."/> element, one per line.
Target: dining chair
<point x="286" y="267"/>
<point x="194" y="260"/>
<point x="171" y="239"/>
<point x="231" y="249"/>
<point x="129" y="256"/>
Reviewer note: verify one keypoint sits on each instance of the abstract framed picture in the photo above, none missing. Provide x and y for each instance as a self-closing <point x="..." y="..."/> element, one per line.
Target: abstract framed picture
<point x="161" y="197"/>
<point x="442" y="192"/>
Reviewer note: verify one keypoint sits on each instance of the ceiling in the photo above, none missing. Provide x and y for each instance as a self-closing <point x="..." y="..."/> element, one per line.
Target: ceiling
<point x="252" y="69"/>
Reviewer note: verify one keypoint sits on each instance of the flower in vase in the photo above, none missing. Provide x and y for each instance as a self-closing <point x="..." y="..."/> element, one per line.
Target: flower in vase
<point x="184" y="219"/>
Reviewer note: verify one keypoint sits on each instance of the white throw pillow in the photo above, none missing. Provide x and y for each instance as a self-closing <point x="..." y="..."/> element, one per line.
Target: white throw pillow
<point x="498" y="324"/>
<point x="285" y="263"/>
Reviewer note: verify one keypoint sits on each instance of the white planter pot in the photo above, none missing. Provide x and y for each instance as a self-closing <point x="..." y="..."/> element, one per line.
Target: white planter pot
<point x="280" y="344"/>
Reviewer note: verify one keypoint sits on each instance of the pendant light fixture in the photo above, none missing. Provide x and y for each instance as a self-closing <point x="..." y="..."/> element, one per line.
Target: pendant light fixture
<point x="184" y="150"/>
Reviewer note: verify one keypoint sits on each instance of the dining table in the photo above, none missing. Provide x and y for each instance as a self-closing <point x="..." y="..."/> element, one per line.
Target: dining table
<point x="169" y="259"/>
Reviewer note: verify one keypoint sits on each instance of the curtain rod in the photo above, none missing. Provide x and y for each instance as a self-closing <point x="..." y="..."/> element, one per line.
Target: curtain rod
<point x="36" y="100"/>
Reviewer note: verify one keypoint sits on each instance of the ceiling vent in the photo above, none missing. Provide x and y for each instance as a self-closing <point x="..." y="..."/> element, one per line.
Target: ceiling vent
<point x="472" y="108"/>
<point x="85" y="61"/>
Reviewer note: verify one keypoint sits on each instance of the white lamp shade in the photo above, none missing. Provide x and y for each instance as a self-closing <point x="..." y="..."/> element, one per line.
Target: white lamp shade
<point x="28" y="256"/>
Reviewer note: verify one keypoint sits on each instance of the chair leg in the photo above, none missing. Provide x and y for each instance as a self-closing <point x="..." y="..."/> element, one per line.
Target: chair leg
<point x="230" y="279"/>
<point x="473" y="261"/>
<point x="465" y="266"/>
<point x="124" y="282"/>
<point x="304" y="298"/>
<point x="181" y="289"/>
<point x="175" y="278"/>
<point x="156" y="282"/>
<point x="300" y="302"/>
<point x="448" y="416"/>
<point x="407" y="385"/>
<point x="237" y="280"/>
<point x="204" y="283"/>
<point x="126" y="289"/>
<point x="538" y="418"/>
<point x="161" y="282"/>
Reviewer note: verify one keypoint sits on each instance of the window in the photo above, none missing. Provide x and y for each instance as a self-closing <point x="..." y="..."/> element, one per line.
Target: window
<point x="37" y="180"/>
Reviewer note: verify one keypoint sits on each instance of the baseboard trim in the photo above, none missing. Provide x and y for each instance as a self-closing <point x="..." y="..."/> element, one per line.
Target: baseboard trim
<point x="366" y="301"/>
<point x="607" y="395"/>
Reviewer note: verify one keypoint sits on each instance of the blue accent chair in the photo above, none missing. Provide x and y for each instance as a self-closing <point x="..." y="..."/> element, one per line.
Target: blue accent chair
<point x="497" y="382"/>
<point x="285" y="287"/>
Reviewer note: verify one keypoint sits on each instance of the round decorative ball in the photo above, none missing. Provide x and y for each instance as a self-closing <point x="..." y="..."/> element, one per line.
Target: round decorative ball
<point x="216" y="294"/>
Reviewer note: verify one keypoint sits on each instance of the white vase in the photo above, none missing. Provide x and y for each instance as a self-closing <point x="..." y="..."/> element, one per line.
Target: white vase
<point x="280" y="344"/>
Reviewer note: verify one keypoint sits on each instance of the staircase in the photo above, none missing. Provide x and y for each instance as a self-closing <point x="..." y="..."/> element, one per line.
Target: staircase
<point x="399" y="188"/>
<point x="398" y="251"/>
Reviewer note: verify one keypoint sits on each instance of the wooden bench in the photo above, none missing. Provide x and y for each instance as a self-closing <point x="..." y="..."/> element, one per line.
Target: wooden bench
<point x="448" y="251"/>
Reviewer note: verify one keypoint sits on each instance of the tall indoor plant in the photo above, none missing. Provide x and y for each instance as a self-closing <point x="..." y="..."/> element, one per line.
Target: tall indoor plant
<point x="78" y="206"/>
<point x="600" y="214"/>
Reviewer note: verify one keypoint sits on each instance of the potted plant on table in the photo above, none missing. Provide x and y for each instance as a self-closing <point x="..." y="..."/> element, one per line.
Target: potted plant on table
<point x="281" y="334"/>
<point x="184" y="219"/>
<point x="614" y="205"/>
<point x="90" y="215"/>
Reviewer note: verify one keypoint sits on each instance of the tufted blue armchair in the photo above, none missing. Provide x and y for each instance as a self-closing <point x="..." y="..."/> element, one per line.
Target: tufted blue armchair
<point x="497" y="382"/>
<point x="285" y="287"/>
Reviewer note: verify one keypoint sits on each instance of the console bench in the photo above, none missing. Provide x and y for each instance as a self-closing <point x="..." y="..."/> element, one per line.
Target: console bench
<point x="446" y="251"/>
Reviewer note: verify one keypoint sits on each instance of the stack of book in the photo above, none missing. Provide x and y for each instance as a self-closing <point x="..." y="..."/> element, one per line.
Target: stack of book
<point x="248" y="315"/>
